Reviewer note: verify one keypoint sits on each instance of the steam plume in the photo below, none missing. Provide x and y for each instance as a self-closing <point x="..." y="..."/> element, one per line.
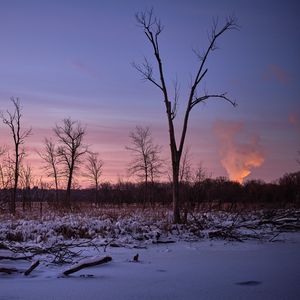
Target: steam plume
<point x="240" y="152"/>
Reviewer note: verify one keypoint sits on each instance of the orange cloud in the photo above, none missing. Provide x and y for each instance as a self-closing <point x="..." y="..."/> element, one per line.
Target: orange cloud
<point x="238" y="156"/>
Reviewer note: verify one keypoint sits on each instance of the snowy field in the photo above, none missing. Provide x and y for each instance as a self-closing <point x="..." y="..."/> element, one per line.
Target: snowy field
<point x="173" y="262"/>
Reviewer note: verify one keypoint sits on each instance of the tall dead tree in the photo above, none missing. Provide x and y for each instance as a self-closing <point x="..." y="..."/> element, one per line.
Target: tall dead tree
<point x="93" y="171"/>
<point x="13" y="121"/>
<point x="152" y="28"/>
<point x="145" y="163"/>
<point x="51" y="162"/>
<point x="70" y="150"/>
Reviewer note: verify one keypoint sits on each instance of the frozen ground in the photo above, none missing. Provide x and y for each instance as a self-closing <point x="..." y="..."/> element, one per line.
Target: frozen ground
<point x="185" y="270"/>
<point x="214" y="256"/>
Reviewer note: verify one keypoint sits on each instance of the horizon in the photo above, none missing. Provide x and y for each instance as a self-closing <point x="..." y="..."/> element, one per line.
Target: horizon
<point x="72" y="59"/>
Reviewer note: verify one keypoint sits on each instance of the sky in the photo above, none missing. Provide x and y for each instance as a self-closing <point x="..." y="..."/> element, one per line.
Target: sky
<point x="74" y="59"/>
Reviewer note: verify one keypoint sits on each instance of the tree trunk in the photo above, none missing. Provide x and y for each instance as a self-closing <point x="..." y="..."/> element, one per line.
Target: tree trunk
<point x="56" y="187"/>
<point x="69" y="185"/>
<point x="175" y="187"/>
<point x="68" y="193"/>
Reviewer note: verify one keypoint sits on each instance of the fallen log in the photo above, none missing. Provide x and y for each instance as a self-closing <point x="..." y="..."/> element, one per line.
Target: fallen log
<point x="8" y="270"/>
<point x="164" y="242"/>
<point x="87" y="263"/>
<point x="32" y="267"/>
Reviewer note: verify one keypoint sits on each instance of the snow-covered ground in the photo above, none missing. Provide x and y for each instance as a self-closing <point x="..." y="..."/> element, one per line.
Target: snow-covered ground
<point x="185" y="270"/>
<point x="257" y="257"/>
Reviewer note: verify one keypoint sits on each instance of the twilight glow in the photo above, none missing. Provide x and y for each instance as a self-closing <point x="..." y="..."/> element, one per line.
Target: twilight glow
<point x="73" y="59"/>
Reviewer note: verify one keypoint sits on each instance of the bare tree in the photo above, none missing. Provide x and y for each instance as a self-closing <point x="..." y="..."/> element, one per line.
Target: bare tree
<point x="26" y="176"/>
<point x="70" y="150"/>
<point x="13" y="121"/>
<point x="152" y="28"/>
<point x="200" y="174"/>
<point x="26" y="180"/>
<point x="6" y="172"/>
<point x="3" y="169"/>
<point x="185" y="169"/>
<point x="50" y="157"/>
<point x="145" y="163"/>
<point x="93" y="171"/>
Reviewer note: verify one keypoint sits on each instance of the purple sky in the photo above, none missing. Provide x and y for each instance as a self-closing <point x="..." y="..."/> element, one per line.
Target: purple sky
<point x="73" y="59"/>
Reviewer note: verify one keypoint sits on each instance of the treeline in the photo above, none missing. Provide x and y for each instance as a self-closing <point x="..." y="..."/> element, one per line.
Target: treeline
<point x="66" y="156"/>
<point x="213" y="193"/>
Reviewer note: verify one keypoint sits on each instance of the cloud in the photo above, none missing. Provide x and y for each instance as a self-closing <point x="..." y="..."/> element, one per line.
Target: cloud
<point x="240" y="152"/>
<point x="275" y="72"/>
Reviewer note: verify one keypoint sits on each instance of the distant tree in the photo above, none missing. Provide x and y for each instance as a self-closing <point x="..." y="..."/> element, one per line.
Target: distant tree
<point x="152" y="28"/>
<point x="200" y="174"/>
<point x="2" y="168"/>
<point x="70" y="150"/>
<point x="26" y="177"/>
<point x="146" y="162"/>
<point x="185" y="170"/>
<point x="7" y="172"/>
<point x="93" y="171"/>
<point x="13" y="121"/>
<point x="49" y="155"/>
<point x="26" y="180"/>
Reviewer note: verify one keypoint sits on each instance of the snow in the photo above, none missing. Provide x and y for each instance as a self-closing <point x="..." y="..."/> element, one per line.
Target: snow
<point x="185" y="270"/>
<point x="265" y="265"/>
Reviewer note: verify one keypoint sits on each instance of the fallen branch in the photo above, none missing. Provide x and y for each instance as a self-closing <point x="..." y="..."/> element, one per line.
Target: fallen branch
<point x="32" y="267"/>
<point x="225" y="235"/>
<point x="87" y="263"/>
<point x="16" y="258"/>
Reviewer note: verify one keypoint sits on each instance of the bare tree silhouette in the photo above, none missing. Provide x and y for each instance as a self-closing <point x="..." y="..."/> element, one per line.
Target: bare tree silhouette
<point x="3" y="168"/>
<point x="93" y="171"/>
<point x="146" y="163"/>
<point x="13" y="121"/>
<point x="51" y="162"/>
<point x="70" y="150"/>
<point x="152" y="28"/>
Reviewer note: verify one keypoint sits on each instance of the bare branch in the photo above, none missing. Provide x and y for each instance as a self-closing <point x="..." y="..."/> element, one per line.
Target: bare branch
<point x="220" y="96"/>
<point x="146" y="70"/>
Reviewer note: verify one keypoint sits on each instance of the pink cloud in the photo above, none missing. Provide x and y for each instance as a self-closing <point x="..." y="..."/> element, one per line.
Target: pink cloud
<point x="275" y="72"/>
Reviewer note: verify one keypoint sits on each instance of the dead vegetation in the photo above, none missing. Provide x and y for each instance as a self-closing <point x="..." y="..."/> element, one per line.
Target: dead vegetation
<point x="64" y="240"/>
